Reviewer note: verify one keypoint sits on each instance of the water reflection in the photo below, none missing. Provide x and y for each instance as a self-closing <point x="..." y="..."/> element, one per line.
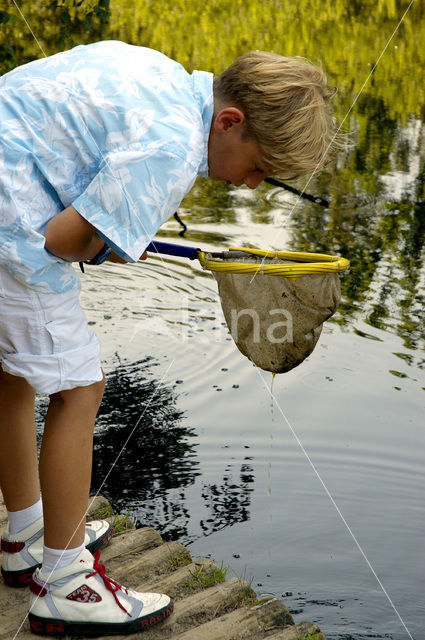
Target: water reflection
<point x="382" y="231"/>
<point x="159" y="462"/>
<point x="139" y="413"/>
<point x="228" y="501"/>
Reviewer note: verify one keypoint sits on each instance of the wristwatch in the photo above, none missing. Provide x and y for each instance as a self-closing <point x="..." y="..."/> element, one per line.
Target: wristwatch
<point x="100" y="257"/>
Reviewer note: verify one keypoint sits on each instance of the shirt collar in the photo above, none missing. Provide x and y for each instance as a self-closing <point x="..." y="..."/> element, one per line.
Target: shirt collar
<point x="203" y="92"/>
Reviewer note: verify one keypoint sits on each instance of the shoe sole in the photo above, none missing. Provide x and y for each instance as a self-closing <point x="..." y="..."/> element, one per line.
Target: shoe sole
<point x="22" y="578"/>
<point x="60" y="628"/>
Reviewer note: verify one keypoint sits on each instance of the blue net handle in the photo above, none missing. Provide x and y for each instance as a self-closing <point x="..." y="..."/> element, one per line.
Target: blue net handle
<point x="173" y="249"/>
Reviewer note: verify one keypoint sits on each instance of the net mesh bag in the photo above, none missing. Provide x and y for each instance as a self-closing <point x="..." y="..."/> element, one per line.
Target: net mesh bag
<point x="274" y="320"/>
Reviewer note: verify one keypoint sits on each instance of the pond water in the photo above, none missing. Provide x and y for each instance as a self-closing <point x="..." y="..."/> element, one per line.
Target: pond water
<point x="310" y="485"/>
<point x="218" y="460"/>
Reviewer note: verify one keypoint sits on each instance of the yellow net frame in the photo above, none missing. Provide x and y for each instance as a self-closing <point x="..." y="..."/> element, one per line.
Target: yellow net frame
<point x="309" y="263"/>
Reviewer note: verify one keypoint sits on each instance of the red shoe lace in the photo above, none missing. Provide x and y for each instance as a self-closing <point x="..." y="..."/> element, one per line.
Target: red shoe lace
<point x="110" y="584"/>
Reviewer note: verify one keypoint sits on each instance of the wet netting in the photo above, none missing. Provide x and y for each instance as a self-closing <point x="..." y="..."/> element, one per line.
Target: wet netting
<point x="275" y="302"/>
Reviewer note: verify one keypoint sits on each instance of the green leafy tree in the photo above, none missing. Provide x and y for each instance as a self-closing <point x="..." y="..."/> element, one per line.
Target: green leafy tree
<point x="31" y="29"/>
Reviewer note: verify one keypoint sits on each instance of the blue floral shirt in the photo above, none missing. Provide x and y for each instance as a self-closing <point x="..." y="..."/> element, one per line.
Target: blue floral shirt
<point x="118" y="131"/>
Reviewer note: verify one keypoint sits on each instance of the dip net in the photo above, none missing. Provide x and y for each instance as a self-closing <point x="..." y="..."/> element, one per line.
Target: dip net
<point x="275" y="302"/>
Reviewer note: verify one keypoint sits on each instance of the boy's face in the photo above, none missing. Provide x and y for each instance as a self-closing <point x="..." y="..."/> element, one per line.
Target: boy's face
<point x="232" y="158"/>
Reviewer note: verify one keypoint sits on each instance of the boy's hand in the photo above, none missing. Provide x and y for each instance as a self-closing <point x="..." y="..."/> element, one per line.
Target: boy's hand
<point x="114" y="257"/>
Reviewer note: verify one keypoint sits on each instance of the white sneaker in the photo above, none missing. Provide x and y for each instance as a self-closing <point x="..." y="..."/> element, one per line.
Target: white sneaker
<point x="81" y="600"/>
<point x="22" y="552"/>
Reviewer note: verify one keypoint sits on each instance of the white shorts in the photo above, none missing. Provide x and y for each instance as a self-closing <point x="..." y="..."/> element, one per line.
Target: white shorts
<point x="44" y="338"/>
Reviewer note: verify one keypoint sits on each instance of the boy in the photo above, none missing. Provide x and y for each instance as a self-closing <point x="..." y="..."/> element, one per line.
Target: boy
<point x="98" y="147"/>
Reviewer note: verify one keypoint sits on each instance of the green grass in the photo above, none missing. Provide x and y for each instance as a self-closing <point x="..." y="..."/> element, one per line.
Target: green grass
<point x="178" y="560"/>
<point x="104" y="511"/>
<point x="257" y="603"/>
<point x="204" y="580"/>
<point x="119" y="522"/>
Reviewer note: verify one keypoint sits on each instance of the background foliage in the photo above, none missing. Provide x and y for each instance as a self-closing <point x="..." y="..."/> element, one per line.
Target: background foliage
<point x="345" y="34"/>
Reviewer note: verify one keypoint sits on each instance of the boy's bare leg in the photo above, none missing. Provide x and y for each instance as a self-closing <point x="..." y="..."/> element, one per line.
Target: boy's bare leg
<point x="66" y="462"/>
<point x="65" y="457"/>
<point x="18" y="450"/>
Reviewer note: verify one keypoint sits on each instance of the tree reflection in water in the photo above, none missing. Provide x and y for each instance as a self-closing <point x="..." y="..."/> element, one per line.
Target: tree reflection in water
<point x="151" y="476"/>
<point x="228" y="502"/>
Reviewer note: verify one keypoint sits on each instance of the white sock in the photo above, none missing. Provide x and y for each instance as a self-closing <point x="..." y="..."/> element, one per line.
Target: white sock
<point x="58" y="558"/>
<point x="19" y="520"/>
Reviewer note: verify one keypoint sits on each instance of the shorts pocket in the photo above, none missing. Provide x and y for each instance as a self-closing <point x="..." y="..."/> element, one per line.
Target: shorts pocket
<point x="67" y="334"/>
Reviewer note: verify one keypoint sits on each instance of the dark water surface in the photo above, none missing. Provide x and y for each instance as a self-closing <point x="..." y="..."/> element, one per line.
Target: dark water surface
<point x="316" y="495"/>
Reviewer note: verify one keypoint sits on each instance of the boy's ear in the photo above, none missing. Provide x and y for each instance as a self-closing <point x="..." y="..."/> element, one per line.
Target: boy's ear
<point x="227" y="118"/>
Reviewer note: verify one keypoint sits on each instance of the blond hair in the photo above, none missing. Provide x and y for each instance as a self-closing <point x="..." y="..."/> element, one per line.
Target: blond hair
<point x="286" y="105"/>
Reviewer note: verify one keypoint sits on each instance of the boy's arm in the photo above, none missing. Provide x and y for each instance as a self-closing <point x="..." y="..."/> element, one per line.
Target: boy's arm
<point x="70" y="237"/>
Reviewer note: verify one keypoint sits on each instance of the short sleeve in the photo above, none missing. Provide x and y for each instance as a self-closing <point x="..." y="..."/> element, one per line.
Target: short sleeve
<point x="134" y="192"/>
